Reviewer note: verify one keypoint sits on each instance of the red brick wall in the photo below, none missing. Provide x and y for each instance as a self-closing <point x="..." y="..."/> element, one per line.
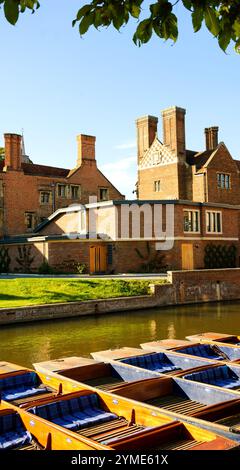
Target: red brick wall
<point x="22" y="194"/>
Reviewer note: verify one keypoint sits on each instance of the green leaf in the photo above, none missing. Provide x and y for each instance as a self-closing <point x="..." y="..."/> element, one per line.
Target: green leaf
<point x="86" y="22"/>
<point x="11" y="11"/>
<point x="212" y="21"/>
<point x="187" y="4"/>
<point x="224" y="39"/>
<point x="197" y="18"/>
<point x="135" y="10"/>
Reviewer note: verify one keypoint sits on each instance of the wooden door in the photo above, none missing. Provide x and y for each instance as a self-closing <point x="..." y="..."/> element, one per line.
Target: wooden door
<point x="187" y="256"/>
<point x="98" y="259"/>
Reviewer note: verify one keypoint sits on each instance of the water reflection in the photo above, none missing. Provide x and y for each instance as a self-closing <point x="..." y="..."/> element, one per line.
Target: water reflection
<point x="25" y="344"/>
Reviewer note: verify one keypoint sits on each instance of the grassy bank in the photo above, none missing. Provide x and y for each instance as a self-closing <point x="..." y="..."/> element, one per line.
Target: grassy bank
<point x="22" y="292"/>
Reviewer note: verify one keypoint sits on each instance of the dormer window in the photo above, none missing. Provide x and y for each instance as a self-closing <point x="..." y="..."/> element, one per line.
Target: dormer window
<point x="224" y="181"/>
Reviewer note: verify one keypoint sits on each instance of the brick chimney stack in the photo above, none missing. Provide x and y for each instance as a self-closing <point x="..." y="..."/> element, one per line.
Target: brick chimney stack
<point x="174" y="130"/>
<point x="211" y="135"/>
<point x="86" y="148"/>
<point x="13" y="151"/>
<point x="146" y="133"/>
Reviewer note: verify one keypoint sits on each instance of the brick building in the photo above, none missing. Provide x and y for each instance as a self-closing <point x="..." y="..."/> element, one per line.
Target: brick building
<point x="29" y="192"/>
<point x="194" y="195"/>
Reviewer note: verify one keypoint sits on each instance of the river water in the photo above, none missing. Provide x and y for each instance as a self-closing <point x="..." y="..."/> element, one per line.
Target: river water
<point x="34" y="342"/>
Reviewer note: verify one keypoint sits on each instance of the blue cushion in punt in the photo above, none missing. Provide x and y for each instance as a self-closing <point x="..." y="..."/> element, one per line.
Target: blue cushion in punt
<point x="221" y="376"/>
<point x="158" y="362"/>
<point x="75" y="413"/>
<point x="203" y="350"/>
<point x="21" y="386"/>
<point x="12" y="432"/>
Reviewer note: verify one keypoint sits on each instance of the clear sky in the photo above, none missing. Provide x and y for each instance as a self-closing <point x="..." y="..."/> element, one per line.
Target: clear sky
<point x="55" y="85"/>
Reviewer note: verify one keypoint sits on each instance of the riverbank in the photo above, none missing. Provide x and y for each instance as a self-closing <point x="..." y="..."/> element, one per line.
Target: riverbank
<point x="183" y="287"/>
<point x="27" y="292"/>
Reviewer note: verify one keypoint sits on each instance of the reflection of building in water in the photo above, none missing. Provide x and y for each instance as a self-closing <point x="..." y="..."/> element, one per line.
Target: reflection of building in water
<point x="171" y="331"/>
<point x="43" y="350"/>
<point x="153" y="329"/>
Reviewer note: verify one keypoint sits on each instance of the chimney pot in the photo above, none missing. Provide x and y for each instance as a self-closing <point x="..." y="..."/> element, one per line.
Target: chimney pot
<point x="146" y="133"/>
<point x="13" y="151"/>
<point x="211" y="136"/>
<point x="86" y="148"/>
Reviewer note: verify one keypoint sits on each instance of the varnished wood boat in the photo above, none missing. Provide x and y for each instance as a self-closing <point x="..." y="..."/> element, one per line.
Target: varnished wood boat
<point x="210" y="337"/>
<point x="85" y="414"/>
<point x="13" y="433"/>
<point x="93" y="373"/>
<point x="208" y="351"/>
<point x="223" y="375"/>
<point x="175" y="396"/>
<point x="20" y="385"/>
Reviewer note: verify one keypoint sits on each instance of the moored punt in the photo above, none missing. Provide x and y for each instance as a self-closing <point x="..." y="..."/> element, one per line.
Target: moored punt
<point x="71" y="363"/>
<point x="96" y="374"/>
<point x="208" y="351"/>
<point x="225" y="375"/>
<point x="19" y="385"/>
<point x="101" y="419"/>
<point x="226" y="416"/>
<point x="210" y="337"/>
<point x="165" y="362"/>
<point x="34" y="433"/>
<point x="116" y="354"/>
<point x="84" y="413"/>
<point x="13" y="433"/>
<point x="175" y="396"/>
<point x="177" y="436"/>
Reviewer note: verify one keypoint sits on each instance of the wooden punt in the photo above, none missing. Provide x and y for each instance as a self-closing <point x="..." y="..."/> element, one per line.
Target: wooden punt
<point x="121" y="433"/>
<point x="207" y="351"/>
<point x="93" y="373"/>
<point x="162" y="362"/>
<point x="14" y="434"/>
<point x="177" y="436"/>
<point x="226" y="376"/>
<point x="47" y="436"/>
<point x="210" y="337"/>
<point x="20" y="385"/>
<point x="89" y="414"/>
<point x="175" y="396"/>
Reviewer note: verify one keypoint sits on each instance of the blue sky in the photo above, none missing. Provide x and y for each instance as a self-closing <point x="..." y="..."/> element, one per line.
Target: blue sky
<point x="55" y="85"/>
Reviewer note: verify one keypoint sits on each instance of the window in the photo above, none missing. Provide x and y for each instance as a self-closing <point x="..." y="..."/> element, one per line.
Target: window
<point x="214" y="222"/>
<point x="191" y="221"/>
<point x="103" y="194"/>
<point x="223" y="181"/>
<point x="62" y="190"/>
<point x="45" y="197"/>
<point x="75" y="192"/>
<point x="30" y="220"/>
<point x="157" y="186"/>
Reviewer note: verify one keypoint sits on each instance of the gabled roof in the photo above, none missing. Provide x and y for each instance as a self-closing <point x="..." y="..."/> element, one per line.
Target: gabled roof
<point x="43" y="170"/>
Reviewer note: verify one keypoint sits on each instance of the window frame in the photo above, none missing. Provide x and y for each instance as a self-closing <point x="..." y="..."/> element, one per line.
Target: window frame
<point x="213" y="222"/>
<point x="62" y="185"/>
<point x="43" y="192"/>
<point x="157" y="186"/>
<point x="33" y="219"/>
<point x="192" y="211"/>
<point x="101" y="189"/>
<point x="75" y="186"/>
<point x="222" y="179"/>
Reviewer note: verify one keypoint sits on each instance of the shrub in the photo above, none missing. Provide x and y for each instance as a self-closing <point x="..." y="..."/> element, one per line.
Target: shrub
<point x="44" y="268"/>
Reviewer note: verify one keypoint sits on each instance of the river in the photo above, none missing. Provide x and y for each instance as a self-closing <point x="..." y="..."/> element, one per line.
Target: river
<point x="34" y="342"/>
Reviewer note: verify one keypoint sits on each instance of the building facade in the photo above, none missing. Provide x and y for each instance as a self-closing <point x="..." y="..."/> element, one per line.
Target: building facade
<point x="29" y="192"/>
<point x="186" y="215"/>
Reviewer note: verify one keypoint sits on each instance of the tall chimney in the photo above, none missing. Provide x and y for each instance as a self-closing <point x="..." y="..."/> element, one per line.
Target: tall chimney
<point x="146" y="133"/>
<point x="13" y="151"/>
<point x="86" y="148"/>
<point x="211" y="135"/>
<point x="174" y="130"/>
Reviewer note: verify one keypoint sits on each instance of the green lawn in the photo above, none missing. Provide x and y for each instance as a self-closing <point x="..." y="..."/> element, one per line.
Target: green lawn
<point x="22" y="292"/>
